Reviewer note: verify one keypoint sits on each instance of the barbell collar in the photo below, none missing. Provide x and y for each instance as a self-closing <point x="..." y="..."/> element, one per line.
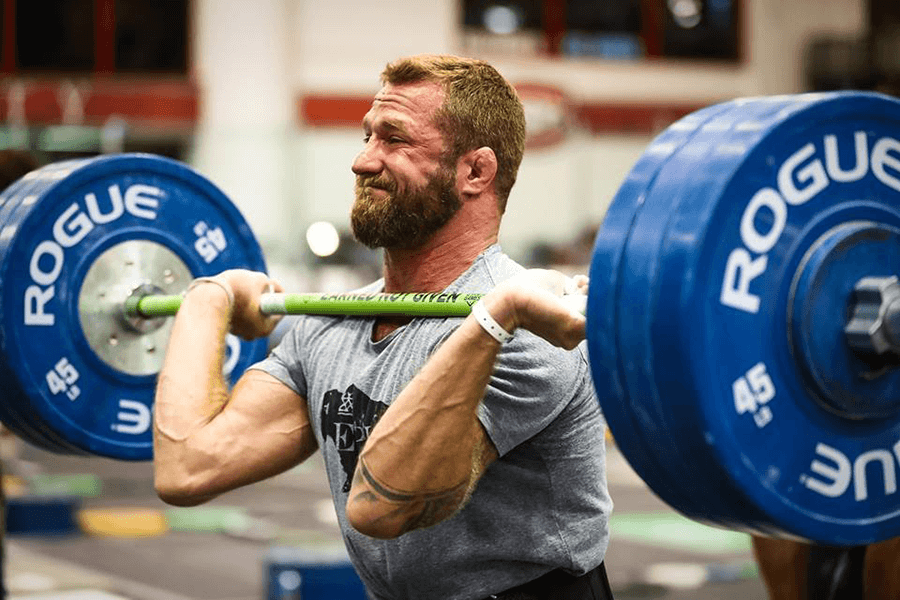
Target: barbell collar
<point x="874" y="326"/>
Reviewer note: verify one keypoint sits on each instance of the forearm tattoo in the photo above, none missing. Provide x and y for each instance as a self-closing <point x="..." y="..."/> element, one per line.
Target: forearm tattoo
<point x="415" y="509"/>
<point x="423" y="509"/>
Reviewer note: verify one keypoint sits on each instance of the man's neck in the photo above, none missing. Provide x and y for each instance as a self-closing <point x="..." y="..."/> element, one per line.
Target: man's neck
<point x="438" y="262"/>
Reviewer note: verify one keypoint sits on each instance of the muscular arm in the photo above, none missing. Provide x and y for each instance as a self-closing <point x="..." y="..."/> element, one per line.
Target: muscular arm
<point x="425" y="455"/>
<point x="207" y="441"/>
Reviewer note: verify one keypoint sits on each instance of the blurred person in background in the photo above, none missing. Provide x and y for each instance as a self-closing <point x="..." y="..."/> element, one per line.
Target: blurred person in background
<point x="466" y="457"/>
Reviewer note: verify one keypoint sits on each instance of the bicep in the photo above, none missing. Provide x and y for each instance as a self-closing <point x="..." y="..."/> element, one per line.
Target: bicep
<point x="263" y="429"/>
<point x="270" y="419"/>
<point x="264" y="408"/>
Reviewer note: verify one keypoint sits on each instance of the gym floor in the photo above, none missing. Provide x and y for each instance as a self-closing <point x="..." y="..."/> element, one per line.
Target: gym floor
<point x="218" y="551"/>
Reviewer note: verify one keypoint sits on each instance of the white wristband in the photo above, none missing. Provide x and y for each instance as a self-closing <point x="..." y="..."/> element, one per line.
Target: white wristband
<point x="488" y="323"/>
<point x="222" y="284"/>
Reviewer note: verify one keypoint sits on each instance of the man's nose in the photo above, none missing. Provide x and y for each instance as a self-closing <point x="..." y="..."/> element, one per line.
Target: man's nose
<point x="368" y="161"/>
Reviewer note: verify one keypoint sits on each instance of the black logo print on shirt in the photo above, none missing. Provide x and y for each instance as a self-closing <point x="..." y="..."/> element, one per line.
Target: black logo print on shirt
<point x="347" y="418"/>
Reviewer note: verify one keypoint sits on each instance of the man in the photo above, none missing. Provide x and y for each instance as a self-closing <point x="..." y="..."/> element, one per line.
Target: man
<point x="462" y="466"/>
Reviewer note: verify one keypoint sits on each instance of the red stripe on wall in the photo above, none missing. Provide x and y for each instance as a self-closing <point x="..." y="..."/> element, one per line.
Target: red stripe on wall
<point x="147" y="102"/>
<point x="42" y="105"/>
<point x="326" y="110"/>
<point x="323" y="110"/>
<point x="167" y="103"/>
<point x="624" y="117"/>
<point x="163" y="103"/>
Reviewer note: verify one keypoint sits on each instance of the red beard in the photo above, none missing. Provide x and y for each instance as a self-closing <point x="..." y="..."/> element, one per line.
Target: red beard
<point x="402" y="219"/>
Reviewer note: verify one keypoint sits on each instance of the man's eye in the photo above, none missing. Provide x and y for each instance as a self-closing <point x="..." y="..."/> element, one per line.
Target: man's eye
<point x="396" y="140"/>
<point x="366" y="138"/>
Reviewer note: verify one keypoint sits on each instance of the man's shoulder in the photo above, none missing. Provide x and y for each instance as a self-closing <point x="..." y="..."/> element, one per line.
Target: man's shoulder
<point x="490" y="268"/>
<point x="501" y="264"/>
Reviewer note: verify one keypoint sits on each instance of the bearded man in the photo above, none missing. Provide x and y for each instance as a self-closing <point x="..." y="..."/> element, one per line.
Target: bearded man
<point x="466" y="457"/>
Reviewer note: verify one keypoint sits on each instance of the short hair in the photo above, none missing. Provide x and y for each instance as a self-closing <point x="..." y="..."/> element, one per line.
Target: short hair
<point x="480" y="108"/>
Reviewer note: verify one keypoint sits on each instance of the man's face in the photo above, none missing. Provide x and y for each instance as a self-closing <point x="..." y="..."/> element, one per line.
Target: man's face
<point x="405" y="189"/>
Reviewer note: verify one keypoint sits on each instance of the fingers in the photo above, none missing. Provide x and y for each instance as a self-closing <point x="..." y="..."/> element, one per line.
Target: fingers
<point x="577" y="284"/>
<point x="556" y="323"/>
<point x="555" y="282"/>
<point x="557" y="319"/>
<point x="577" y="303"/>
<point x="543" y="279"/>
<point x="271" y="321"/>
<point x="247" y="320"/>
<point x="572" y="290"/>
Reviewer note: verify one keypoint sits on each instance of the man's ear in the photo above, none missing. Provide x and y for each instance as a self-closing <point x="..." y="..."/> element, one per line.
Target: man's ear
<point x="476" y="171"/>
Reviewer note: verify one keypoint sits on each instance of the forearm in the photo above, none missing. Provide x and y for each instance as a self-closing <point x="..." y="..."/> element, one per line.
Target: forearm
<point x="191" y="389"/>
<point x="209" y="439"/>
<point x="422" y="458"/>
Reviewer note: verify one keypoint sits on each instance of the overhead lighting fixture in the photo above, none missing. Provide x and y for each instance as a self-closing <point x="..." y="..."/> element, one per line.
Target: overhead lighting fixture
<point x="323" y="238"/>
<point x="501" y="19"/>
<point x="687" y="13"/>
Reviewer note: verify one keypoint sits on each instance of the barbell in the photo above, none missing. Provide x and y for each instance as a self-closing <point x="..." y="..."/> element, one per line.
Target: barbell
<point x="743" y="318"/>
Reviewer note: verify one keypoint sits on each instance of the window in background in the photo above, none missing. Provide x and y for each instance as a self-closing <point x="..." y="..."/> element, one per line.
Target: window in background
<point x="6" y="43"/>
<point x="54" y="35"/>
<point x="60" y="61"/>
<point x="503" y="17"/>
<point x="510" y="26"/>
<point x="610" y="29"/>
<point x="701" y="29"/>
<point x="151" y="36"/>
<point x="603" y="29"/>
<point x="94" y="36"/>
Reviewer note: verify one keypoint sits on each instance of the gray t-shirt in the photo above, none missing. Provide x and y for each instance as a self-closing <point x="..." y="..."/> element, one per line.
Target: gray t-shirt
<point x="542" y="505"/>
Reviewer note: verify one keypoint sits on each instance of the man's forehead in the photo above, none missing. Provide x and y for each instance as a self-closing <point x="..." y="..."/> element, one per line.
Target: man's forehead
<point x="412" y="99"/>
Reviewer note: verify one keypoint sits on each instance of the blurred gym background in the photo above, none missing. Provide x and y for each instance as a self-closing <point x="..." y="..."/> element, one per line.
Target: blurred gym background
<point x="265" y="97"/>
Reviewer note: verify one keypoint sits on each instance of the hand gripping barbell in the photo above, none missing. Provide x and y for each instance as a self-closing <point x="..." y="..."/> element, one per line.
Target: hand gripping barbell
<point x="743" y="318"/>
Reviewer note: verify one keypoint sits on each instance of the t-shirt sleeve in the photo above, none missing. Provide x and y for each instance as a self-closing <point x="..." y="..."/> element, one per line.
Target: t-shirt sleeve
<point x="284" y="362"/>
<point x="532" y="382"/>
